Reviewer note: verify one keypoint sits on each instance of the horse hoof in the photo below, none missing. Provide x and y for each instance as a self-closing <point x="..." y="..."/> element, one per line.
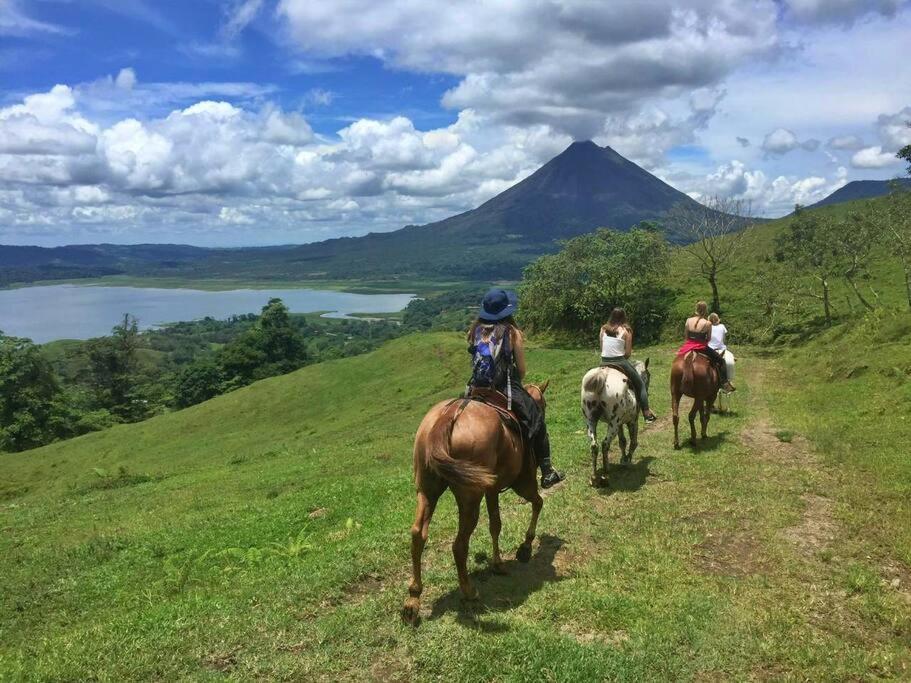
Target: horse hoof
<point x="471" y="595"/>
<point x="598" y="482"/>
<point x="523" y="554"/>
<point x="411" y="612"/>
<point x="626" y="461"/>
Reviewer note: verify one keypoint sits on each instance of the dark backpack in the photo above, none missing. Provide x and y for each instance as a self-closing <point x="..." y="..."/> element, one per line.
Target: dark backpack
<point x="491" y="356"/>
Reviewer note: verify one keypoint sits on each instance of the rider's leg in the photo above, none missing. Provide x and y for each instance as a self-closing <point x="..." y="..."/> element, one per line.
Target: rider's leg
<point x="639" y="387"/>
<point x="536" y="433"/>
<point x="722" y="368"/>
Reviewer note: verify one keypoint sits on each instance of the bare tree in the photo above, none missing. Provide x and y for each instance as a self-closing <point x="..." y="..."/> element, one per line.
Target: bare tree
<point x="715" y="232"/>
<point x="895" y="217"/>
<point x="856" y="237"/>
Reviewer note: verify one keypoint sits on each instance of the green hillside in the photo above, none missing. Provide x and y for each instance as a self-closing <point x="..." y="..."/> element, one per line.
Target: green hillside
<point x="747" y="285"/>
<point x="264" y="534"/>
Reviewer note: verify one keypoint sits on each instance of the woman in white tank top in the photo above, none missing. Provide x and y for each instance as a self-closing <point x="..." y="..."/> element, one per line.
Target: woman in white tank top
<point x="616" y="348"/>
<point x="719" y="343"/>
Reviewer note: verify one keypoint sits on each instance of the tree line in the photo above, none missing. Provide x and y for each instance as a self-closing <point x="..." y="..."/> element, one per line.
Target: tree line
<point x="60" y="390"/>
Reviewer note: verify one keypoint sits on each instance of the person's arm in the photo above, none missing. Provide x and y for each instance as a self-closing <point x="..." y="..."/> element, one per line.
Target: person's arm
<point x="518" y="352"/>
<point x="628" y="339"/>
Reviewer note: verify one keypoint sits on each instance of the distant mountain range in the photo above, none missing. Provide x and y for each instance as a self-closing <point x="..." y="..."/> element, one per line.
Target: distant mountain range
<point x="582" y="188"/>
<point x="861" y="189"/>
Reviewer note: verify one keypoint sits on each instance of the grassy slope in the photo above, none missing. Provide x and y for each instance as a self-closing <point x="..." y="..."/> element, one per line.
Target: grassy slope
<point x="264" y="533"/>
<point x="738" y="289"/>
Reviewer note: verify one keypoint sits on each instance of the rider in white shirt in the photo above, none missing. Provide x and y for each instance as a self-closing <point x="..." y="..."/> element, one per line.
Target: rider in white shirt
<point x="717" y="342"/>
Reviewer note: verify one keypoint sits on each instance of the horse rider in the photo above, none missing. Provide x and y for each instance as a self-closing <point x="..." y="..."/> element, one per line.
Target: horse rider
<point x="616" y="347"/>
<point x="497" y="346"/>
<point x="698" y="333"/>
<point x="717" y="343"/>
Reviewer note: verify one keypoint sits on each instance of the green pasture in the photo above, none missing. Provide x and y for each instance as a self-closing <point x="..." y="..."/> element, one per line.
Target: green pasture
<point x="264" y="534"/>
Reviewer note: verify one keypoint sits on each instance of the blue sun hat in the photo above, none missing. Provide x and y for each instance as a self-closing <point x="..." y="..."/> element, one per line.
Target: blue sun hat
<point x="498" y="304"/>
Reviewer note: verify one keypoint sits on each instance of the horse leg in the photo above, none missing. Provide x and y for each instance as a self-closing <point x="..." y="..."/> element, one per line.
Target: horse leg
<point x="605" y="449"/>
<point x="419" y="530"/>
<point x="675" y="409"/>
<point x="469" y="503"/>
<point x="493" y="514"/>
<point x="593" y="443"/>
<point x="704" y="415"/>
<point x="697" y="406"/>
<point x="621" y="437"/>
<point x="633" y="428"/>
<point x="528" y="489"/>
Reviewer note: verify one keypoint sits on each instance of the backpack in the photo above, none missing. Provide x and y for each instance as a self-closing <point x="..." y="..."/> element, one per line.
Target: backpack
<point x="491" y="356"/>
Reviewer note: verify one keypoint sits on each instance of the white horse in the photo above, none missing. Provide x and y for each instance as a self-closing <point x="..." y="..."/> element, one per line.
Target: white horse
<point x="608" y="397"/>
<point x="723" y="402"/>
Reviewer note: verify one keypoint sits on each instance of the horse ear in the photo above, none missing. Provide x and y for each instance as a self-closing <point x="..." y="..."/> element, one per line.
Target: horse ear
<point x="646" y="363"/>
<point x="544" y="386"/>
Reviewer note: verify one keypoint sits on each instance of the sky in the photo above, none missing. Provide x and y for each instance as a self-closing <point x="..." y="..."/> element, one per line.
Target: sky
<point x="253" y="122"/>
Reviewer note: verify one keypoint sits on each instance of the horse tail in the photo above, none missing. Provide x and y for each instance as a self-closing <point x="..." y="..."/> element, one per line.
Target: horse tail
<point x="454" y="471"/>
<point x="688" y="368"/>
<point x="593" y="382"/>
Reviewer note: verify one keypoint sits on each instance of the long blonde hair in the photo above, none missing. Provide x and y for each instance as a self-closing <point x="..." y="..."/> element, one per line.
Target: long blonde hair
<point x="702" y="309"/>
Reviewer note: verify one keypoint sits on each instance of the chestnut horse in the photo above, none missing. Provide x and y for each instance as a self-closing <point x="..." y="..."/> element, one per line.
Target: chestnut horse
<point x="471" y="451"/>
<point x="693" y="375"/>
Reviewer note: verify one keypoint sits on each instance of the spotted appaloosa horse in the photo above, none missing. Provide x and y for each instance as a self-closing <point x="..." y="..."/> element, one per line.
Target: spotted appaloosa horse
<point x="470" y="450"/>
<point x="693" y="375"/>
<point x="608" y="397"/>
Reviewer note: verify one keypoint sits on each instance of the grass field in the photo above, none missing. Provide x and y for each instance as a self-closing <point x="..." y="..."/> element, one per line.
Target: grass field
<point x="264" y="534"/>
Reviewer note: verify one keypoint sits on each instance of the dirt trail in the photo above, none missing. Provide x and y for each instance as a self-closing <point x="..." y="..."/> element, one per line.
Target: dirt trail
<point x="817" y="527"/>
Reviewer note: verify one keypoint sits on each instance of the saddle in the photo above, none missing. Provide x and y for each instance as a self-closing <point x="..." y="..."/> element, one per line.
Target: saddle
<point x="498" y="401"/>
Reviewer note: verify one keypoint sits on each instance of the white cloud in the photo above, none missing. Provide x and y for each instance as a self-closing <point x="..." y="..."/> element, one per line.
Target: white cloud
<point x="850" y="142"/>
<point x="766" y="195"/>
<point x="234" y="216"/>
<point x="873" y="157"/>
<point x="14" y="22"/>
<point x="895" y="129"/>
<point x="126" y="79"/>
<point x="566" y="65"/>
<point x="839" y="11"/>
<point x="239" y="17"/>
<point x="781" y="141"/>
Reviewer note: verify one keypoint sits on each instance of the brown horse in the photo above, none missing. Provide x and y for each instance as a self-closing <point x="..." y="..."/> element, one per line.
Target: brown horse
<point x="476" y="455"/>
<point x="693" y="375"/>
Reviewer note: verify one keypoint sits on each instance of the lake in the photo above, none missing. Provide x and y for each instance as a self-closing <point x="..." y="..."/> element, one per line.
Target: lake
<point x="80" y="312"/>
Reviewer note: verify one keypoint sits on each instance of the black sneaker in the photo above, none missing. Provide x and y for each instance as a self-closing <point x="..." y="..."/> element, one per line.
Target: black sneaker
<point x="550" y="479"/>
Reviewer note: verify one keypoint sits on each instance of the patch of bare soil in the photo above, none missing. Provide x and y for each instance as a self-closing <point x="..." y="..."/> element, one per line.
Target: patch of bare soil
<point x="364" y="585"/>
<point x="898" y="578"/>
<point x="762" y="438"/>
<point x="585" y="636"/>
<point x="735" y="553"/>
<point x="816" y="529"/>
<point x="221" y="661"/>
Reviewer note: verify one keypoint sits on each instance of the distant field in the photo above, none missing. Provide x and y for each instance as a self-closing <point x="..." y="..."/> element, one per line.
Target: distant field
<point x="264" y="534"/>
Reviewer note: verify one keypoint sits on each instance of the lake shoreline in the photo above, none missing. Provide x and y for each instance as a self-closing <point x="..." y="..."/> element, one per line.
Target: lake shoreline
<point x="45" y="313"/>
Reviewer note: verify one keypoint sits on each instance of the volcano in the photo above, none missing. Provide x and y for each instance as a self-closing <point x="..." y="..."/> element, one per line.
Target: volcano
<point x="583" y="188"/>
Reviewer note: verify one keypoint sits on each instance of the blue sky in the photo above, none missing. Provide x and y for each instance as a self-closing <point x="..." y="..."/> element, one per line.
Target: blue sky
<point x="273" y="121"/>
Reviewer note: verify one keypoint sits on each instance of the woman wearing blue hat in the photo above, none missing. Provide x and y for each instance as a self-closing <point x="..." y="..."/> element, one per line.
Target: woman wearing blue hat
<point x="498" y="348"/>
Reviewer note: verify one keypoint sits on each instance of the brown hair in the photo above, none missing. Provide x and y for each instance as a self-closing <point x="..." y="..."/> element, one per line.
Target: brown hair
<point x="714" y="319"/>
<point x="702" y="309"/>
<point x="615" y="323"/>
<point x="499" y="326"/>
